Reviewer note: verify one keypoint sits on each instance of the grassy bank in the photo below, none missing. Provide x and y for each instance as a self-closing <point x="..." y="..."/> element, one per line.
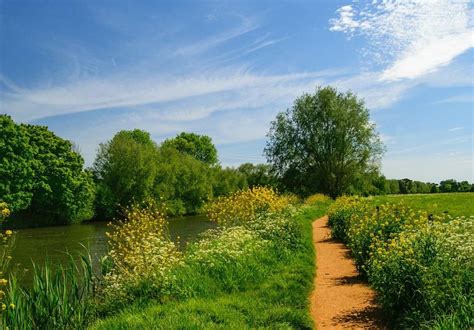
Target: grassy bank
<point x="418" y="260"/>
<point x="272" y="293"/>
<point x="454" y="204"/>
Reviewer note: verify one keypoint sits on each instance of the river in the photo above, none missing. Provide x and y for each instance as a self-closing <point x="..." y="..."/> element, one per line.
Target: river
<point x="53" y="243"/>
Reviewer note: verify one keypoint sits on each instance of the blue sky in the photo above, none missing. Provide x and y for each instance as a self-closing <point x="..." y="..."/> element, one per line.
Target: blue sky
<point x="88" y="69"/>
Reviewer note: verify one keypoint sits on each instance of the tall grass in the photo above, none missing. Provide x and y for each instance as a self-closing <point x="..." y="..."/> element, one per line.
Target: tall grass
<point x="257" y="274"/>
<point x="59" y="298"/>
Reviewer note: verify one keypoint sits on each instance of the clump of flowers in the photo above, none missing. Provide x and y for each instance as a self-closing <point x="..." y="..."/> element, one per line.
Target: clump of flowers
<point x="316" y="198"/>
<point x="278" y="228"/>
<point x="7" y="241"/>
<point x="244" y="205"/>
<point x="141" y="253"/>
<point x="231" y="256"/>
<point x="340" y="213"/>
<point x="374" y="224"/>
<point x="427" y="271"/>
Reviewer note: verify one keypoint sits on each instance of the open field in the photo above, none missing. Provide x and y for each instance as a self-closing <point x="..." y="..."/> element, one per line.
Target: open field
<point x="455" y="204"/>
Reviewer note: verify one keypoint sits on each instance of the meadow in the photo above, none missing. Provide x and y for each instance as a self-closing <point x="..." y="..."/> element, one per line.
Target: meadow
<point x="454" y="204"/>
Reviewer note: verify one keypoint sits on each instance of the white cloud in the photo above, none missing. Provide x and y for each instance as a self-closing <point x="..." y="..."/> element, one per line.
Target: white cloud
<point x="134" y="91"/>
<point x="414" y="37"/>
<point x="455" y="129"/>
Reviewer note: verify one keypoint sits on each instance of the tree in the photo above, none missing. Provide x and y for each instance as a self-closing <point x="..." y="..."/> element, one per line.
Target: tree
<point x="42" y="175"/>
<point x="257" y="175"/>
<point x="323" y="143"/>
<point x="125" y="168"/>
<point x="197" y="146"/>
<point x="227" y="180"/>
<point x="182" y="182"/>
<point x="450" y="185"/>
<point x="16" y="165"/>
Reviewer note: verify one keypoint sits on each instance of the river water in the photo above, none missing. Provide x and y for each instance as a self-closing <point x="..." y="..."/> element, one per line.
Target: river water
<point x="54" y="243"/>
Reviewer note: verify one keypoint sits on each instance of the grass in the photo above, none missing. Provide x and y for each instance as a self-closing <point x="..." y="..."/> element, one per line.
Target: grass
<point x="277" y="300"/>
<point x="455" y="204"/>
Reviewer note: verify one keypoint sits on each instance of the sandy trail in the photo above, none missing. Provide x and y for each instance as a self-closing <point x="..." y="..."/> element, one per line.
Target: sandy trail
<point x="340" y="300"/>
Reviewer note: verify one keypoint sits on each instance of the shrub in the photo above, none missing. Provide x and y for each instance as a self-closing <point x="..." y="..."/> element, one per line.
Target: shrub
<point x="427" y="273"/>
<point x="369" y="225"/>
<point x="316" y="198"/>
<point x="142" y="256"/>
<point x="7" y="241"/>
<point x="340" y="214"/>
<point x="244" y="205"/>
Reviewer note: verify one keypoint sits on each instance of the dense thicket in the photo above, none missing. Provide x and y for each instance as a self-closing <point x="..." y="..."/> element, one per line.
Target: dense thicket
<point x="182" y="173"/>
<point x="41" y="174"/>
<point x="324" y="143"/>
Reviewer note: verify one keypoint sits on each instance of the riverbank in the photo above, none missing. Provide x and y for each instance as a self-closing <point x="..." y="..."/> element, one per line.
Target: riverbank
<point x="271" y="293"/>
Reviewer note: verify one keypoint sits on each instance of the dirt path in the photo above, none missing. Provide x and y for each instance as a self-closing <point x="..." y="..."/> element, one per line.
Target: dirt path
<point x="340" y="300"/>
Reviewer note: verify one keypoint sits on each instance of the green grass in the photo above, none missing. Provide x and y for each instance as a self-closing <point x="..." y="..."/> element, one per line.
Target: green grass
<point x="278" y="300"/>
<point x="455" y="204"/>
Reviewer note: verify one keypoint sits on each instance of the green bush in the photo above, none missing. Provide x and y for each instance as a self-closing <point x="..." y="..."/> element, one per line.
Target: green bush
<point x="340" y="214"/>
<point x="427" y="273"/>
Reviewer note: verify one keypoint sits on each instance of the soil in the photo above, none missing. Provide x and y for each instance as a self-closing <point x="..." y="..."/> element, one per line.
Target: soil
<point x="341" y="299"/>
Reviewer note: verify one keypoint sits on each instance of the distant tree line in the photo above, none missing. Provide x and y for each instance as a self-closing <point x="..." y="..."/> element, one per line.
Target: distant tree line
<point x="407" y="186"/>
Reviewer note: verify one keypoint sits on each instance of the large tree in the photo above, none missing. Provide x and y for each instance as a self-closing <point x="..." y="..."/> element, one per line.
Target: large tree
<point x="195" y="145"/>
<point x="323" y="143"/>
<point x="125" y="168"/>
<point x="41" y="174"/>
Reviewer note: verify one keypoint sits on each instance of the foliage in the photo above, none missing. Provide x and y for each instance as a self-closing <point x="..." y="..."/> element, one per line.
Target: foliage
<point x="427" y="273"/>
<point x="419" y="263"/>
<point x="316" y="198"/>
<point x="59" y="298"/>
<point x="236" y="246"/>
<point x="141" y="256"/>
<point x="7" y="241"/>
<point x="16" y="165"/>
<point x="227" y="181"/>
<point x="323" y="143"/>
<point x="340" y="214"/>
<point x="244" y="205"/>
<point x="198" y="146"/>
<point x="125" y="168"/>
<point x="371" y="225"/>
<point x="268" y="287"/>
<point x="41" y="174"/>
<point x="131" y="168"/>
<point x="182" y="182"/>
<point x="258" y="175"/>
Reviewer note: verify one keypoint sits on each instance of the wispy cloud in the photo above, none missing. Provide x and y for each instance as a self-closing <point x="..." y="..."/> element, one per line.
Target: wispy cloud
<point x="247" y="25"/>
<point x="412" y="37"/>
<point x="121" y="91"/>
<point x="462" y="98"/>
<point x="455" y="129"/>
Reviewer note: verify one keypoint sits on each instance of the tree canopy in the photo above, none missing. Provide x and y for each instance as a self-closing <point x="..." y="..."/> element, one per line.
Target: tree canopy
<point x="323" y="143"/>
<point x="132" y="168"/>
<point x="41" y="174"/>
<point x="195" y="145"/>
